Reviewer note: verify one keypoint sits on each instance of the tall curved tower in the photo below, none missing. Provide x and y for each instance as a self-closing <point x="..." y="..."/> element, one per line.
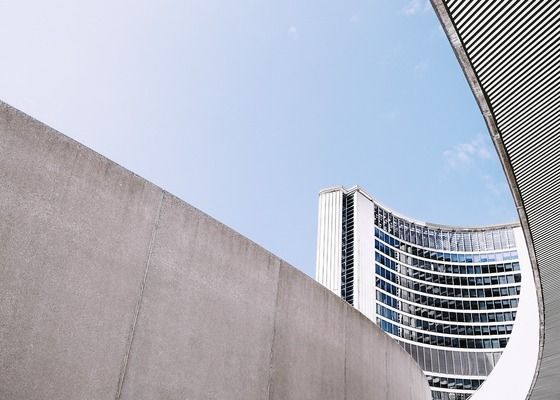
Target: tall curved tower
<point x="449" y="295"/>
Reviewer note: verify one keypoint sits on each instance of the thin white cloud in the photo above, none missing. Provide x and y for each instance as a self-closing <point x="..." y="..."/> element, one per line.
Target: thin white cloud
<point x="492" y="186"/>
<point x="414" y="7"/>
<point x="293" y="32"/>
<point x="475" y="157"/>
<point x="411" y="7"/>
<point x="427" y="6"/>
<point x="467" y="155"/>
<point x="354" y="19"/>
<point x="421" y="67"/>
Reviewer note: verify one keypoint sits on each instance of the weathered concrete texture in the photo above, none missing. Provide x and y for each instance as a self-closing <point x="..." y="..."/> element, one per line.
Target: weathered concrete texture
<point x="112" y="288"/>
<point x="74" y="233"/>
<point x="207" y="315"/>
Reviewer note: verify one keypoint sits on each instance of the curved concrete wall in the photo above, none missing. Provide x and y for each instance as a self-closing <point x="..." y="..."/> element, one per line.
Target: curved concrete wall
<point x="111" y="288"/>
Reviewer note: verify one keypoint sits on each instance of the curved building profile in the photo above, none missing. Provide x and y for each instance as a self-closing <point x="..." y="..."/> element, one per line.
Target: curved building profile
<point x="510" y="56"/>
<point x="451" y="296"/>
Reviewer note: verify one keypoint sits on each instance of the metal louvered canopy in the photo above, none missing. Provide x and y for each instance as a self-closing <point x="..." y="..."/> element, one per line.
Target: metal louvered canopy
<point x="510" y="53"/>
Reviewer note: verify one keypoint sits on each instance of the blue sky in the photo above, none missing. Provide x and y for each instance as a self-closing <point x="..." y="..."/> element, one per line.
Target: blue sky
<point x="246" y="109"/>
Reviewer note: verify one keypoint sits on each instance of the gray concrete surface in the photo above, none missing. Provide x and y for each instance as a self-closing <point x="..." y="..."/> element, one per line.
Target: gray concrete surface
<point x="111" y="288"/>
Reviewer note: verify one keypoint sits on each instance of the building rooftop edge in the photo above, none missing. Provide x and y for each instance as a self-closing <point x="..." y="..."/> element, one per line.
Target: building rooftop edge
<point x="357" y="188"/>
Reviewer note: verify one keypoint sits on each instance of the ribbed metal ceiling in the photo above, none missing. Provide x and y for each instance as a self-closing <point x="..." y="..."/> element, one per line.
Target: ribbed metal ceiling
<point x="510" y="53"/>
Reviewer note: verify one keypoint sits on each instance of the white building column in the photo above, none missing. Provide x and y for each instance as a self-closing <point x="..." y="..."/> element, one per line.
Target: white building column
<point x="364" y="255"/>
<point x="329" y="239"/>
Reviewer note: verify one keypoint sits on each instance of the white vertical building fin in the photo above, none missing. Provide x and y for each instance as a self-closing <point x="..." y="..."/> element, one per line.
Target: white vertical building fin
<point x="329" y="239"/>
<point x="364" y="255"/>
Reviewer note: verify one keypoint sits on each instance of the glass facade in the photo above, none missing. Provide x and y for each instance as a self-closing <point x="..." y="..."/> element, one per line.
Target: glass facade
<point x="448" y="296"/>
